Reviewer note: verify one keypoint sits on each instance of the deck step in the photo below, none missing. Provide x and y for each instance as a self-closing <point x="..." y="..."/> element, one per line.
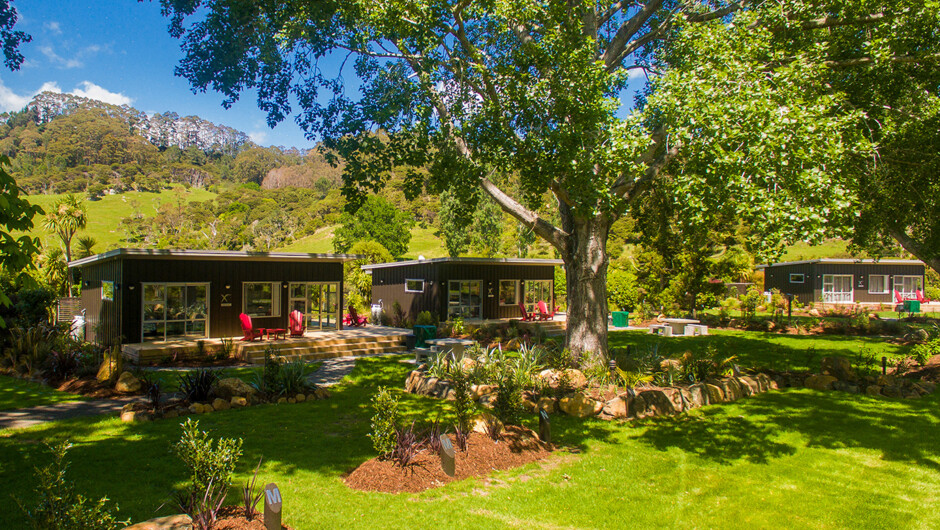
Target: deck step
<point x="313" y="350"/>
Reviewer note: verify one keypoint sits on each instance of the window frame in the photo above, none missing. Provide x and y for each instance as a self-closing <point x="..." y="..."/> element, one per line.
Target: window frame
<point x="886" y="285"/>
<point x="832" y="281"/>
<point x="275" y="299"/>
<point x="162" y="300"/>
<point x="899" y="278"/>
<point x="104" y="291"/>
<point x="515" y="291"/>
<point x="407" y="290"/>
<point x="802" y="276"/>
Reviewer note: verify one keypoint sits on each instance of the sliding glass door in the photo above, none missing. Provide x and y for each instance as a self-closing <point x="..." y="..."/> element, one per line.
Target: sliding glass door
<point x="318" y="301"/>
<point x="537" y="291"/>
<point x="173" y="311"/>
<point x="464" y="300"/>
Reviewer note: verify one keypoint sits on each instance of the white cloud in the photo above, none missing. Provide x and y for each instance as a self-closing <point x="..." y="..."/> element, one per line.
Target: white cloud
<point x="258" y="137"/>
<point x="93" y="91"/>
<point x="636" y="73"/>
<point x="53" y="27"/>
<point x="10" y="100"/>
<point x="77" y="60"/>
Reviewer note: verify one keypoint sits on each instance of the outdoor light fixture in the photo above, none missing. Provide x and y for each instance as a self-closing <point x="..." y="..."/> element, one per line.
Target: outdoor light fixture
<point x="130" y="287"/>
<point x="87" y="283"/>
<point x="227" y="286"/>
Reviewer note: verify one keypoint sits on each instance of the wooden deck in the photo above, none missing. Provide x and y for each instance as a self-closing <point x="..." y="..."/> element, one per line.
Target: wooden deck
<point x="313" y="345"/>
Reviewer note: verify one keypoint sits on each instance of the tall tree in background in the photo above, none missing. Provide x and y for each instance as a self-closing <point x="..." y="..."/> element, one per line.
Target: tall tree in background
<point x="376" y="220"/>
<point x="521" y="100"/>
<point x="10" y="39"/>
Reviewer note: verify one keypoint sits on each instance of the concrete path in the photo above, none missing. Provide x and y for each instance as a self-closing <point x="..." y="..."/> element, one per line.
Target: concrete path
<point x="19" y="418"/>
<point x="332" y="371"/>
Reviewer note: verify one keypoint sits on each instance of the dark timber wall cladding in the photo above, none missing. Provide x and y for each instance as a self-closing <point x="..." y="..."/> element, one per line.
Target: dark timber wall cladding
<point x="388" y="285"/>
<point x="120" y="320"/>
<point x="778" y="277"/>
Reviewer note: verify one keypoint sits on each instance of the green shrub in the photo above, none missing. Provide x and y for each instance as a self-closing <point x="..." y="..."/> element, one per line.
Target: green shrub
<point x="463" y="398"/>
<point x="750" y="301"/>
<point x="266" y="380"/>
<point x="384" y="422"/>
<point x="622" y="290"/>
<point x="59" y="507"/>
<point x="196" y="385"/>
<point x="508" y="403"/>
<point x="425" y="318"/>
<point x="292" y="378"/>
<point x="206" y="459"/>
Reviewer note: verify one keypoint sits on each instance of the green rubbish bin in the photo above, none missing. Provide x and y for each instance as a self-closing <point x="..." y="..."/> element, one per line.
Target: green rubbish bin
<point x="621" y="319"/>
<point x="422" y="334"/>
<point x="912" y="306"/>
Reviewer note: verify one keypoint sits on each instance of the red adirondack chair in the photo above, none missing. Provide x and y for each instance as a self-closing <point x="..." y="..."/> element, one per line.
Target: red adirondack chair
<point x="898" y="299"/>
<point x="250" y="332"/>
<point x="921" y="298"/>
<point x="354" y="319"/>
<point x="295" y="321"/>
<point x="543" y="311"/>
<point x="526" y="316"/>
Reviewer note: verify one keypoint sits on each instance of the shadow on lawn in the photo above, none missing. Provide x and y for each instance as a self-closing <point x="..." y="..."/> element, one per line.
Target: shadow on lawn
<point x="772" y="350"/>
<point x="900" y="430"/>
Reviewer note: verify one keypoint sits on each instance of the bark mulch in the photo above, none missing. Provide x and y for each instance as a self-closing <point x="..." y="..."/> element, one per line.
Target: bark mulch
<point x="88" y="387"/>
<point x="233" y="518"/>
<point x="517" y="446"/>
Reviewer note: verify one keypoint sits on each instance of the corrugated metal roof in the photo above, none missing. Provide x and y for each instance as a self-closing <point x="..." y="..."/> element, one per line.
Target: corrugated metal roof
<point x="488" y="261"/>
<point x="211" y="255"/>
<point x="844" y="260"/>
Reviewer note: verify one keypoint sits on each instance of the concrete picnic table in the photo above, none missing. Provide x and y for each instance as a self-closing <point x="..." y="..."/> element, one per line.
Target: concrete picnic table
<point x="678" y="324"/>
<point x="457" y="346"/>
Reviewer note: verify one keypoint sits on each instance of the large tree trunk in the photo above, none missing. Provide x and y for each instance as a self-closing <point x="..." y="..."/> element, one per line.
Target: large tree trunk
<point x="586" y="267"/>
<point x="918" y="249"/>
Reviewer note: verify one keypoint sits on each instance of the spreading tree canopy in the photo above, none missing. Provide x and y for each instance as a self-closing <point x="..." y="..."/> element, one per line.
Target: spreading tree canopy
<point x="523" y="100"/>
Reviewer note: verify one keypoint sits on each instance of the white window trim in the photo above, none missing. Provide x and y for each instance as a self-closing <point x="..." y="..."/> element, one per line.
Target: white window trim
<point x="851" y="291"/>
<point x="275" y="300"/>
<point x="407" y="290"/>
<point x="107" y="298"/>
<point x="887" y="286"/>
<point x="899" y="278"/>
<point x="800" y="274"/>
<point x="516" y="290"/>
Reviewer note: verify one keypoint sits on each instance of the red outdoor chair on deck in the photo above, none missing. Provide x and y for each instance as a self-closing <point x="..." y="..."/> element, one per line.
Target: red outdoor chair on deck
<point x="921" y="298"/>
<point x="526" y="317"/>
<point x="543" y="311"/>
<point x="295" y="321"/>
<point x="898" y="299"/>
<point x="354" y="319"/>
<point x="250" y="332"/>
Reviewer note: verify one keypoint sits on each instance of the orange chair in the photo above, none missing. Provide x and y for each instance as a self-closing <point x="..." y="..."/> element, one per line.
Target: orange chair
<point x="295" y="321"/>
<point x="250" y="332"/>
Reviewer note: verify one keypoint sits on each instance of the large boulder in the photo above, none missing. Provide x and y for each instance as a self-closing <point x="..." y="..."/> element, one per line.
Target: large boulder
<point x="127" y="383"/>
<point x="618" y="407"/>
<point x="730" y="388"/>
<point x="111" y="367"/>
<point x="820" y="382"/>
<point x="548" y="404"/>
<point x="579" y="405"/>
<point x="637" y="407"/>
<point x="749" y="386"/>
<point x="169" y="522"/>
<point x="478" y="391"/>
<point x="553" y="378"/>
<point x="715" y="394"/>
<point x="658" y="403"/>
<point x="231" y="387"/>
<point x="221" y="404"/>
<point x="681" y="398"/>
<point x="698" y="395"/>
<point x="412" y="382"/>
<point x="838" y="367"/>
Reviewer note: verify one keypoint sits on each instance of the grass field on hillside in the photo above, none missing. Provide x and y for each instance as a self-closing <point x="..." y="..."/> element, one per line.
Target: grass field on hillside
<point x="783" y="459"/>
<point x="104" y="215"/>
<point x="423" y="243"/>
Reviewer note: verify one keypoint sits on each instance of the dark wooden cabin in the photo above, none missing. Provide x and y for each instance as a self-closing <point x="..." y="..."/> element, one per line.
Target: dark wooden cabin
<point x="469" y="288"/>
<point x="144" y="295"/>
<point x="842" y="281"/>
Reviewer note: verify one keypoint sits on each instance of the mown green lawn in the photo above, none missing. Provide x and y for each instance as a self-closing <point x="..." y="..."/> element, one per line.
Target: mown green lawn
<point x="18" y="393"/>
<point x="769" y="350"/>
<point x="786" y="459"/>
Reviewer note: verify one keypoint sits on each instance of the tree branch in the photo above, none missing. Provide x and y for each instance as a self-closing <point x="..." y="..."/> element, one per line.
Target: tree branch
<point x="900" y="59"/>
<point x="919" y="250"/>
<point x="541" y="227"/>
<point x="831" y="22"/>
<point x="627" y="31"/>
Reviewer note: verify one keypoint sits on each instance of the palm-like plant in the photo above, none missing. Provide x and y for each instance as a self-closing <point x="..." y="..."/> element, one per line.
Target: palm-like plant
<point x="85" y="247"/>
<point x="54" y="269"/>
<point x="67" y="216"/>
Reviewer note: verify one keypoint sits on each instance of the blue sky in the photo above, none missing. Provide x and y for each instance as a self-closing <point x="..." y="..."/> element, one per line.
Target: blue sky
<point x="119" y="51"/>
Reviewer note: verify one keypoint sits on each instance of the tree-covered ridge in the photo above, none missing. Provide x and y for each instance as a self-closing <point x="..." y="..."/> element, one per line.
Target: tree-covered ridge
<point x="163" y="130"/>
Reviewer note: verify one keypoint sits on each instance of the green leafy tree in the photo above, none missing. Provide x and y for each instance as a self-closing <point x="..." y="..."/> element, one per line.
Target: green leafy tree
<point x="358" y="283"/>
<point x="521" y="100"/>
<point x="16" y="253"/>
<point x="376" y="220"/>
<point x="65" y="218"/>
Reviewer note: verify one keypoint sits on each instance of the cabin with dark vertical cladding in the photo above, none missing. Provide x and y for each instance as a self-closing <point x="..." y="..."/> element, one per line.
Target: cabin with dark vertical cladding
<point x="468" y="288"/>
<point x="144" y="295"/>
<point x="846" y="281"/>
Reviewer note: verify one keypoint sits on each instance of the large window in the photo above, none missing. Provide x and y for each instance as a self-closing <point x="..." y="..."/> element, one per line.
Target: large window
<point x="837" y="288"/>
<point x="908" y="285"/>
<point x="537" y="291"/>
<point x="878" y="284"/>
<point x="508" y="292"/>
<point x="175" y="311"/>
<point x="318" y="301"/>
<point x="261" y="299"/>
<point x="414" y="286"/>
<point x="463" y="299"/>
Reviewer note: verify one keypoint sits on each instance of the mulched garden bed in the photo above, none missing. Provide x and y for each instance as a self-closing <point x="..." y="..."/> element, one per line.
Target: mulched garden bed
<point x="517" y="446"/>
<point x="88" y="387"/>
<point x="233" y="518"/>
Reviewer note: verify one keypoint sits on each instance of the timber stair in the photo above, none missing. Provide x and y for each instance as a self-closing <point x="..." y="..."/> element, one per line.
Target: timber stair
<point x="317" y="349"/>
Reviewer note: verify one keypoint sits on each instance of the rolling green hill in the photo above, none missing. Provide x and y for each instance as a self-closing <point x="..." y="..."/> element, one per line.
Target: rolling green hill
<point x="423" y="243"/>
<point x="104" y="215"/>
